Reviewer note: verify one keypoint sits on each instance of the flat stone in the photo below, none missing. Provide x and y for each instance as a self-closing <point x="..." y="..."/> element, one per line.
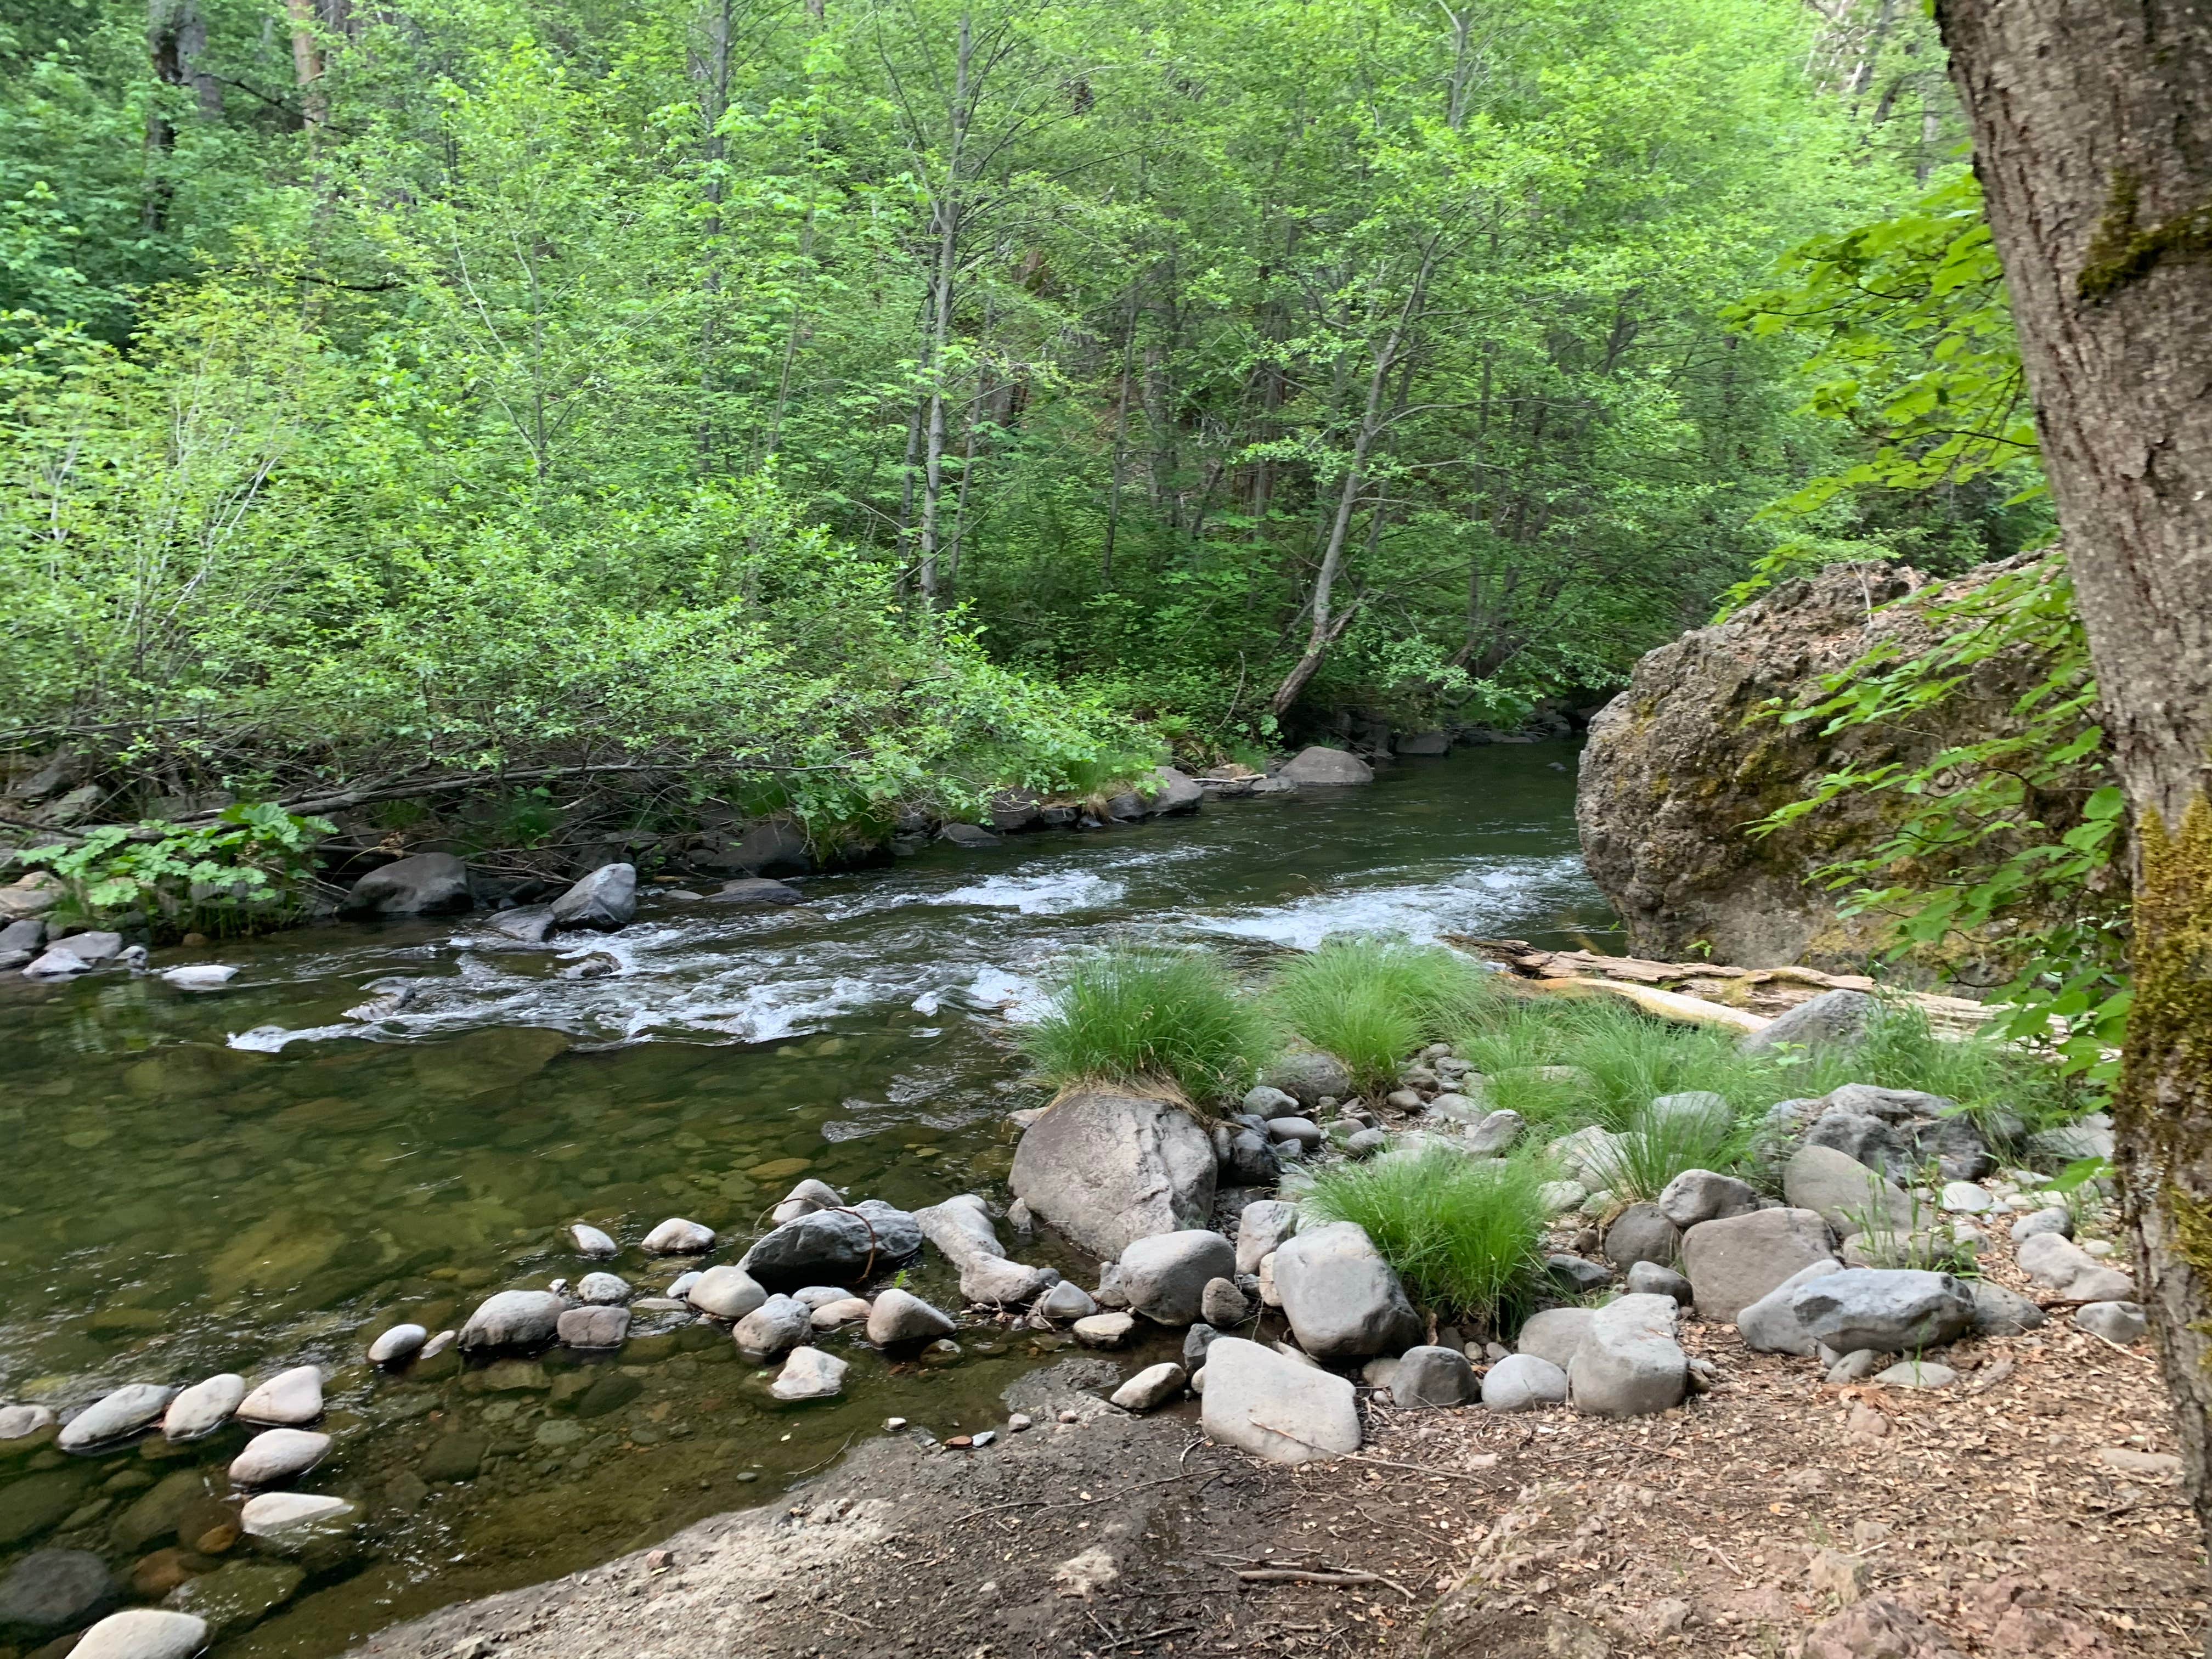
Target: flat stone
<point x="901" y="1316"/>
<point x="1733" y="1261"/>
<point x="593" y="1327"/>
<point x="286" y="1514"/>
<point x="676" y="1236"/>
<point x="1771" y="1325"/>
<point x="1917" y="1374"/>
<point x="2159" y="1466"/>
<point x="726" y="1293"/>
<point x="1523" y="1382"/>
<point x="1165" y="1277"/>
<point x="1629" y="1364"/>
<point x="1554" y="1334"/>
<point x="1106" y="1330"/>
<point x="51" y="1591"/>
<point x="513" y="1319"/>
<point x="2121" y="1322"/>
<point x="1343" y="1300"/>
<point x="1275" y="1406"/>
<point x="756" y="889"/>
<point x="1432" y="1375"/>
<point x="1067" y="1300"/>
<point x="1698" y="1196"/>
<point x="847" y="1246"/>
<point x="809" y="1374"/>
<point x="200" y="975"/>
<point x="1260" y="1230"/>
<point x="1845" y="1193"/>
<point x="1855" y="1366"/>
<point x="591" y="1243"/>
<point x="278" y="1455"/>
<point x="780" y="1324"/>
<point x="397" y="1345"/>
<point x="203" y="1408"/>
<point x="1150" y="1388"/>
<point x="121" y="1411"/>
<point x="1833" y="1019"/>
<point x="142" y="1633"/>
<point x="603" y="1290"/>
<point x="291" y="1397"/>
<point x="1892" y="1311"/>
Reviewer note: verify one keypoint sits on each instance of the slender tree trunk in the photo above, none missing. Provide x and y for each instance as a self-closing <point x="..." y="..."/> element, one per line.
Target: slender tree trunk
<point x="307" y="62"/>
<point x="712" y="68"/>
<point x="2092" y="136"/>
<point x="948" y="217"/>
<point x="1120" y="443"/>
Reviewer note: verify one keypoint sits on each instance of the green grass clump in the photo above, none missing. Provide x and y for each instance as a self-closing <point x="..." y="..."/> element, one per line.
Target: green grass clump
<point x="1656" y="1147"/>
<point x="1155" y="1018"/>
<point x="1371" y="1002"/>
<point x="1462" y="1233"/>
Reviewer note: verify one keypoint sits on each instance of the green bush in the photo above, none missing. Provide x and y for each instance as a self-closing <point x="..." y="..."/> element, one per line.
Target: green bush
<point x="1146" y="1017"/>
<point x="1371" y="1002"/>
<point x="1462" y="1233"/>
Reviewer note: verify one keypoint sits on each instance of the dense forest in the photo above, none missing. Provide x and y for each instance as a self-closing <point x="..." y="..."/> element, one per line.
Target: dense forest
<point x="892" y="400"/>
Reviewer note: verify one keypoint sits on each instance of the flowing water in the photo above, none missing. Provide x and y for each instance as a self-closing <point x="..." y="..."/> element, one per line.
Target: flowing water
<point x="373" y="1124"/>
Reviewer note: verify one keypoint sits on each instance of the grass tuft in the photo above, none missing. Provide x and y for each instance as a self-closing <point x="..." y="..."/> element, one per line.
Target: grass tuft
<point x="1138" y="1016"/>
<point x="1462" y="1233"/>
<point x="1371" y="1002"/>
<point x="1656" y="1147"/>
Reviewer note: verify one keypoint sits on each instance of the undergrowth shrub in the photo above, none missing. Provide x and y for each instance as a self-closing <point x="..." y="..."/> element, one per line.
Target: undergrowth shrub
<point x="1148" y="1017"/>
<point x="1462" y="1233"/>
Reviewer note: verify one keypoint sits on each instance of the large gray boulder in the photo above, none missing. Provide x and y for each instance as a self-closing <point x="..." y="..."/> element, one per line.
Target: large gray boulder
<point x="1629" y="1364"/>
<point x="1309" y="1077"/>
<point x="605" y="900"/>
<point x="1165" y="1277"/>
<point x="1321" y="765"/>
<point x="1845" y="1193"/>
<point x="1734" y="1262"/>
<point x="1343" y="1300"/>
<point x="1770" y="1324"/>
<point x="833" y="1246"/>
<point x="1176" y="793"/>
<point x="1275" y="1407"/>
<point x="427" y="884"/>
<point x="1833" y="1019"/>
<point x="1107" y="1168"/>
<point x="1889" y="1309"/>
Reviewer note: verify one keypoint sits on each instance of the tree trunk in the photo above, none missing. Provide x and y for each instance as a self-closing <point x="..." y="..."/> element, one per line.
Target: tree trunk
<point x="2092" y="136"/>
<point x="949" y="210"/>
<point x="306" y="61"/>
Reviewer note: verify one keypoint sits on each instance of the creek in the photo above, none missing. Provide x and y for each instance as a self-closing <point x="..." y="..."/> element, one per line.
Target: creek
<point x="381" y="1123"/>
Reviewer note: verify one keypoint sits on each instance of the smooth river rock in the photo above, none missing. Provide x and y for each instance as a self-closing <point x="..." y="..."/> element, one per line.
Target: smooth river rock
<point x="726" y="1293"/>
<point x="123" y="1410"/>
<point x="278" y="1455"/>
<point x="899" y="1316"/>
<point x="1732" y="1262"/>
<point x="291" y="1397"/>
<point x="397" y="1345"/>
<point x="593" y="1327"/>
<point x="513" y="1319"/>
<point x="779" y="1323"/>
<point x="1343" y="1300"/>
<point x="425" y="885"/>
<point x="809" y="1374"/>
<point x="1888" y="1309"/>
<point x="51" y="1591"/>
<point x="1275" y="1406"/>
<point x="1432" y="1376"/>
<point x="845" y="1246"/>
<point x="142" y="1633"/>
<point x="1846" y="1195"/>
<point x="281" y="1514"/>
<point x="1771" y="1325"/>
<point x="591" y="1242"/>
<point x="1629" y="1364"/>
<point x="1165" y="1277"/>
<point x="1318" y="764"/>
<point x="605" y="900"/>
<point x="1523" y="1382"/>
<point x="676" y="1236"/>
<point x="203" y="1408"/>
<point x="1260" y="1230"/>
<point x="1555" y="1334"/>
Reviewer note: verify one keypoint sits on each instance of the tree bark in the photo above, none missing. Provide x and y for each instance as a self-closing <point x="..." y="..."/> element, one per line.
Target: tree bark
<point x="947" y="222"/>
<point x="2092" y="136"/>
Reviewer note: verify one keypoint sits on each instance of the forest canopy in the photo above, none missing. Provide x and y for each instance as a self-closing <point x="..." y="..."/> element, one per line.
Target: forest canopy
<point x="897" y="400"/>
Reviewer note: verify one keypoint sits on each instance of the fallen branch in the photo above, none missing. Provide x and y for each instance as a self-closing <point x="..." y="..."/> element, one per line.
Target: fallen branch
<point x="1318" y="1576"/>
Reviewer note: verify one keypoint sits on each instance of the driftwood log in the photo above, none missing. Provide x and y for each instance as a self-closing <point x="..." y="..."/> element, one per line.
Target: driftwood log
<point x="1701" y="993"/>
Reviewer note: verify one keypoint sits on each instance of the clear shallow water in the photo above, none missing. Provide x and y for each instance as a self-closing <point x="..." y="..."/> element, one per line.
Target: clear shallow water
<point x="373" y="1124"/>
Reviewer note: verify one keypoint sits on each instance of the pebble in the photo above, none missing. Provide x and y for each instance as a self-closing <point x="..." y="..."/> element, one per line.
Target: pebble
<point x="986" y="1437"/>
<point x="1017" y="1423"/>
<point x="591" y="1241"/>
<point x="401" y="1342"/>
<point x="1067" y="1300"/>
<point x="893" y="1424"/>
<point x="293" y="1396"/>
<point x="278" y="1455"/>
<point x="203" y="1408"/>
<point x="676" y="1236"/>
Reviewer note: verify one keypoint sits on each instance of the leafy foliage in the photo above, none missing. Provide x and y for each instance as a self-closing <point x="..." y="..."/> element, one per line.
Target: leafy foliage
<point x="252" y="869"/>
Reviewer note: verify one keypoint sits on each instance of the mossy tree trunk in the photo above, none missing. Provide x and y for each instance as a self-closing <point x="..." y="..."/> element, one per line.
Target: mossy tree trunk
<point x="2092" y="136"/>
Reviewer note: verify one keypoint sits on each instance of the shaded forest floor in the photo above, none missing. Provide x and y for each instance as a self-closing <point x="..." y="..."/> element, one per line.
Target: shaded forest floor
<point x="1992" y="1517"/>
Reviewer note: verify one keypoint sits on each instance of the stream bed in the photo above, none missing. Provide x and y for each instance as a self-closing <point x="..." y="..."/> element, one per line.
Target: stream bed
<point x="377" y="1123"/>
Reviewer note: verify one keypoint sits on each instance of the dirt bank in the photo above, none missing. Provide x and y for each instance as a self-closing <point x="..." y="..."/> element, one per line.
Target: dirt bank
<point x="1996" y="1511"/>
